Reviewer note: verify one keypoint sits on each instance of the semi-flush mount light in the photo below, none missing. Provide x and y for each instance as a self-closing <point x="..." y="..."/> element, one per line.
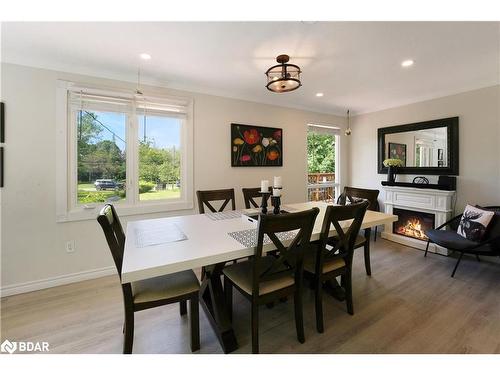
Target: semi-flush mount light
<point x="145" y="56"/>
<point x="283" y="77"/>
<point x="319" y="94"/>
<point x="407" y="63"/>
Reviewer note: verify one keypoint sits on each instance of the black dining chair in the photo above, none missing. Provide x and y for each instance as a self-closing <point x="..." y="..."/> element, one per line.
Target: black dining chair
<point x="356" y="195"/>
<point x="249" y="195"/>
<point x="146" y="294"/>
<point x="332" y="259"/>
<point x="265" y="278"/>
<point x="205" y="197"/>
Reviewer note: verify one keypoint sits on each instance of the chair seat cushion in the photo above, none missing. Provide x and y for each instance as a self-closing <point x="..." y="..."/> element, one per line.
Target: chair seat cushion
<point x="450" y="239"/>
<point x="165" y="287"/>
<point x="328" y="266"/>
<point x="241" y="274"/>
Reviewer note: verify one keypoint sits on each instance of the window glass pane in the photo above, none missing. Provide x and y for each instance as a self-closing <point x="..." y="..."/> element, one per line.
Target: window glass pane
<point x="321" y="166"/>
<point x="101" y="156"/>
<point x="159" y="157"/>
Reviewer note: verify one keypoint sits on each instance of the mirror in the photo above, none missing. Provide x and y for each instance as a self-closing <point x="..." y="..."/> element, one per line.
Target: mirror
<point x="429" y="147"/>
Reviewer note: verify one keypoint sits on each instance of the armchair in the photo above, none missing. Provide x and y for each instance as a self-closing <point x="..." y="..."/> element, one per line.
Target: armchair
<point x="450" y="239"/>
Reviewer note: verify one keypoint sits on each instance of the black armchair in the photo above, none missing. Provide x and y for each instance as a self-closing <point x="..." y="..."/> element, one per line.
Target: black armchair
<point x="450" y="239"/>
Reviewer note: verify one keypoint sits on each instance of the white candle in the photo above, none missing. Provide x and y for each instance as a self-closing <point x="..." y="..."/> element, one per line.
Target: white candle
<point x="264" y="186"/>
<point x="277" y="181"/>
<point x="277" y="192"/>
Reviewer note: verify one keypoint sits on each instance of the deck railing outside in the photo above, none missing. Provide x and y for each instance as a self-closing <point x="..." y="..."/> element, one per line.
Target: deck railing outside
<point x="321" y="187"/>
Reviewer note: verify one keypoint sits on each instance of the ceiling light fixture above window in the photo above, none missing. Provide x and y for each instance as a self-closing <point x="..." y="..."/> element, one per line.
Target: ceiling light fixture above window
<point x="319" y="94"/>
<point x="283" y="77"/>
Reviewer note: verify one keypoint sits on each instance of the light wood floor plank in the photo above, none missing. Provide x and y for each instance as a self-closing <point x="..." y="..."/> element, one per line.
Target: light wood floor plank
<point x="409" y="305"/>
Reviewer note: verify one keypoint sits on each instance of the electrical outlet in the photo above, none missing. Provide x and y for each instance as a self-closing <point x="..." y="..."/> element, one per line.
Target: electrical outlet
<point x="70" y="246"/>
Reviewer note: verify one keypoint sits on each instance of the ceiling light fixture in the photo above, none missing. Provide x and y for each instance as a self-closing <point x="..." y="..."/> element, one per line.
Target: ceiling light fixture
<point x="145" y="56"/>
<point x="138" y="91"/>
<point x="283" y="77"/>
<point x="407" y="63"/>
<point x="348" y="130"/>
<point x="319" y="94"/>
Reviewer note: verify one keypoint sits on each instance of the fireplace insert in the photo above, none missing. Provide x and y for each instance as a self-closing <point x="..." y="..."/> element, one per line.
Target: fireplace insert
<point x="412" y="223"/>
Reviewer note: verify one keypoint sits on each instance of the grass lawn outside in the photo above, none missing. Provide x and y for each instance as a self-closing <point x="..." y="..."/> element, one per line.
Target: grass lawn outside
<point x="86" y="187"/>
<point x="88" y="194"/>
<point x="160" y="194"/>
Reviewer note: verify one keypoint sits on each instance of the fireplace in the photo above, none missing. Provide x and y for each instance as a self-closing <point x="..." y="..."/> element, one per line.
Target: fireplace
<point x="412" y="223"/>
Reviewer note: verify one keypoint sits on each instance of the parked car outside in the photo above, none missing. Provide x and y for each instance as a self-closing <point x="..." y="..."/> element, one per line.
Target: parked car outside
<point x="105" y="184"/>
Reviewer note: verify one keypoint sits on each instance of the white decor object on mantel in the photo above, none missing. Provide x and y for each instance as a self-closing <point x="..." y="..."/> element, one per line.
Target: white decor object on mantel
<point x="434" y="201"/>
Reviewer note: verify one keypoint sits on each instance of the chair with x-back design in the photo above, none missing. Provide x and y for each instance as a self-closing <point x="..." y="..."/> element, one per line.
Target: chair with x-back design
<point x="145" y="294"/>
<point x="333" y="259"/>
<point x="249" y="194"/>
<point x="207" y="196"/>
<point x="264" y="278"/>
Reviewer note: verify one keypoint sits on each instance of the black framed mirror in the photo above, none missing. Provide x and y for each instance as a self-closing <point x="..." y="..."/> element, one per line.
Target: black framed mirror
<point x="429" y="147"/>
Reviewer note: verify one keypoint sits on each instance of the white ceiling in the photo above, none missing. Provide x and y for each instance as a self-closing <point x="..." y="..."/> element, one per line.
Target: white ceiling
<point x="355" y="64"/>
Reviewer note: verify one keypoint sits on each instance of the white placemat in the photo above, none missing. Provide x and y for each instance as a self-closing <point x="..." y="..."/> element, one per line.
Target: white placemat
<point x="149" y="234"/>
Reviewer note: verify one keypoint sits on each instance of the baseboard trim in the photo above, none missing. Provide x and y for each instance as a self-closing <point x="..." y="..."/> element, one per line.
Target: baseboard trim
<point x="31" y="286"/>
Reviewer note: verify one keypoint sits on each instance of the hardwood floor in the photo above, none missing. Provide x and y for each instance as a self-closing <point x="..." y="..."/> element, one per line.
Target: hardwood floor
<point x="410" y="304"/>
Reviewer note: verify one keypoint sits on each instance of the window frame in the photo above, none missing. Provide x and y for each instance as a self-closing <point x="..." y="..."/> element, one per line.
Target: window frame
<point x="335" y="131"/>
<point x="67" y="207"/>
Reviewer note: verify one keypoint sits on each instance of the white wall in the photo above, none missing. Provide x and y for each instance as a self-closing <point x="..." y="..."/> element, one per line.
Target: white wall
<point x="479" y="142"/>
<point x="33" y="243"/>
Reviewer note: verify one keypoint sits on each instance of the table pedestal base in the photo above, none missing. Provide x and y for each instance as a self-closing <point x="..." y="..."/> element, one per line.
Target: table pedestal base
<point x="212" y="302"/>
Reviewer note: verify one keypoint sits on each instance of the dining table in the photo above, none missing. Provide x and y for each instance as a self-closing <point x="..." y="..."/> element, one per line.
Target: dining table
<point x="156" y="247"/>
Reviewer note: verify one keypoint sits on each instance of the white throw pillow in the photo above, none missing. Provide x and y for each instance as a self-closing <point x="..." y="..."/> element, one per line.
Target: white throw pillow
<point x="474" y="223"/>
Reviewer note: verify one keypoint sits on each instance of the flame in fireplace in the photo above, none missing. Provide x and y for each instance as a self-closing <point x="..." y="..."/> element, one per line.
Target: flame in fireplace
<point x="412" y="228"/>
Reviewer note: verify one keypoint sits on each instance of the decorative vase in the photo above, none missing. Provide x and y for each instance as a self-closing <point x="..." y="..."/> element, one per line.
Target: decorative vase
<point x="391" y="174"/>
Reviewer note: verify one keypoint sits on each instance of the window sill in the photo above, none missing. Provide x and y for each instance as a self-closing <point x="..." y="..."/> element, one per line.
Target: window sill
<point x="91" y="212"/>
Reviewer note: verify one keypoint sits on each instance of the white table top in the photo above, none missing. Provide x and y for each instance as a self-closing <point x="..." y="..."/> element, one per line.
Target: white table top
<point x="208" y="242"/>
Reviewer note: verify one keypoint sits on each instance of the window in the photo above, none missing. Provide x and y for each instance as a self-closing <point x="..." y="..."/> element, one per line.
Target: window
<point x="322" y="163"/>
<point x="101" y="156"/>
<point x="159" y="157"/>
<point x="115" y="147"/>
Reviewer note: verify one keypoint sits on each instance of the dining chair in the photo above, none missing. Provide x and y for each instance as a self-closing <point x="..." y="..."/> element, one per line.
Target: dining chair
<point x="265" y="278"/>
<point x="145" y="294"/>
<point x="356" y="195"/>
<point x="332" y="259"/>
<point x="248" y="196"/>
<point x="207" y="196"/>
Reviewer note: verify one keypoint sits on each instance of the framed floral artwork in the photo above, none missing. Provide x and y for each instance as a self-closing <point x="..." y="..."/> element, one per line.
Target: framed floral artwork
<point x="398" y="151"/>
<point x="256" y="146"/>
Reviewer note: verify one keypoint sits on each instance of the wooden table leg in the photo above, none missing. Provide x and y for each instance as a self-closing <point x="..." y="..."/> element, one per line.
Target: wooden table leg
<point x="212" y="302"/>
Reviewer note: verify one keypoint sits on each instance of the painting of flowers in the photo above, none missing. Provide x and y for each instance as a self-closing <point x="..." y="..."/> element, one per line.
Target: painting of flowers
<point x="256" y="146"/>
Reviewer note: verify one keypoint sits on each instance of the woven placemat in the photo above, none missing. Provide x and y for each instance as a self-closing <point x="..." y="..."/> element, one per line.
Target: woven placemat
<point x="248" y="237"/>
<point x="225" y="215"/>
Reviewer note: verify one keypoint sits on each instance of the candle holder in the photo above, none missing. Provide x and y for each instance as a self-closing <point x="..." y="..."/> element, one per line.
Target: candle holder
<point x="276" y="202"/>
<point x="265" y="196"/>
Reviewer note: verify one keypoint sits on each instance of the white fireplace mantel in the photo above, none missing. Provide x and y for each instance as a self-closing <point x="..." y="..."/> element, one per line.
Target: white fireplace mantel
<point x="434" y="201"/>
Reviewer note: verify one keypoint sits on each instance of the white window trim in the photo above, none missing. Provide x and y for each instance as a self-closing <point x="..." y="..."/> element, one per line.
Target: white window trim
<point x="67" y="210"/>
